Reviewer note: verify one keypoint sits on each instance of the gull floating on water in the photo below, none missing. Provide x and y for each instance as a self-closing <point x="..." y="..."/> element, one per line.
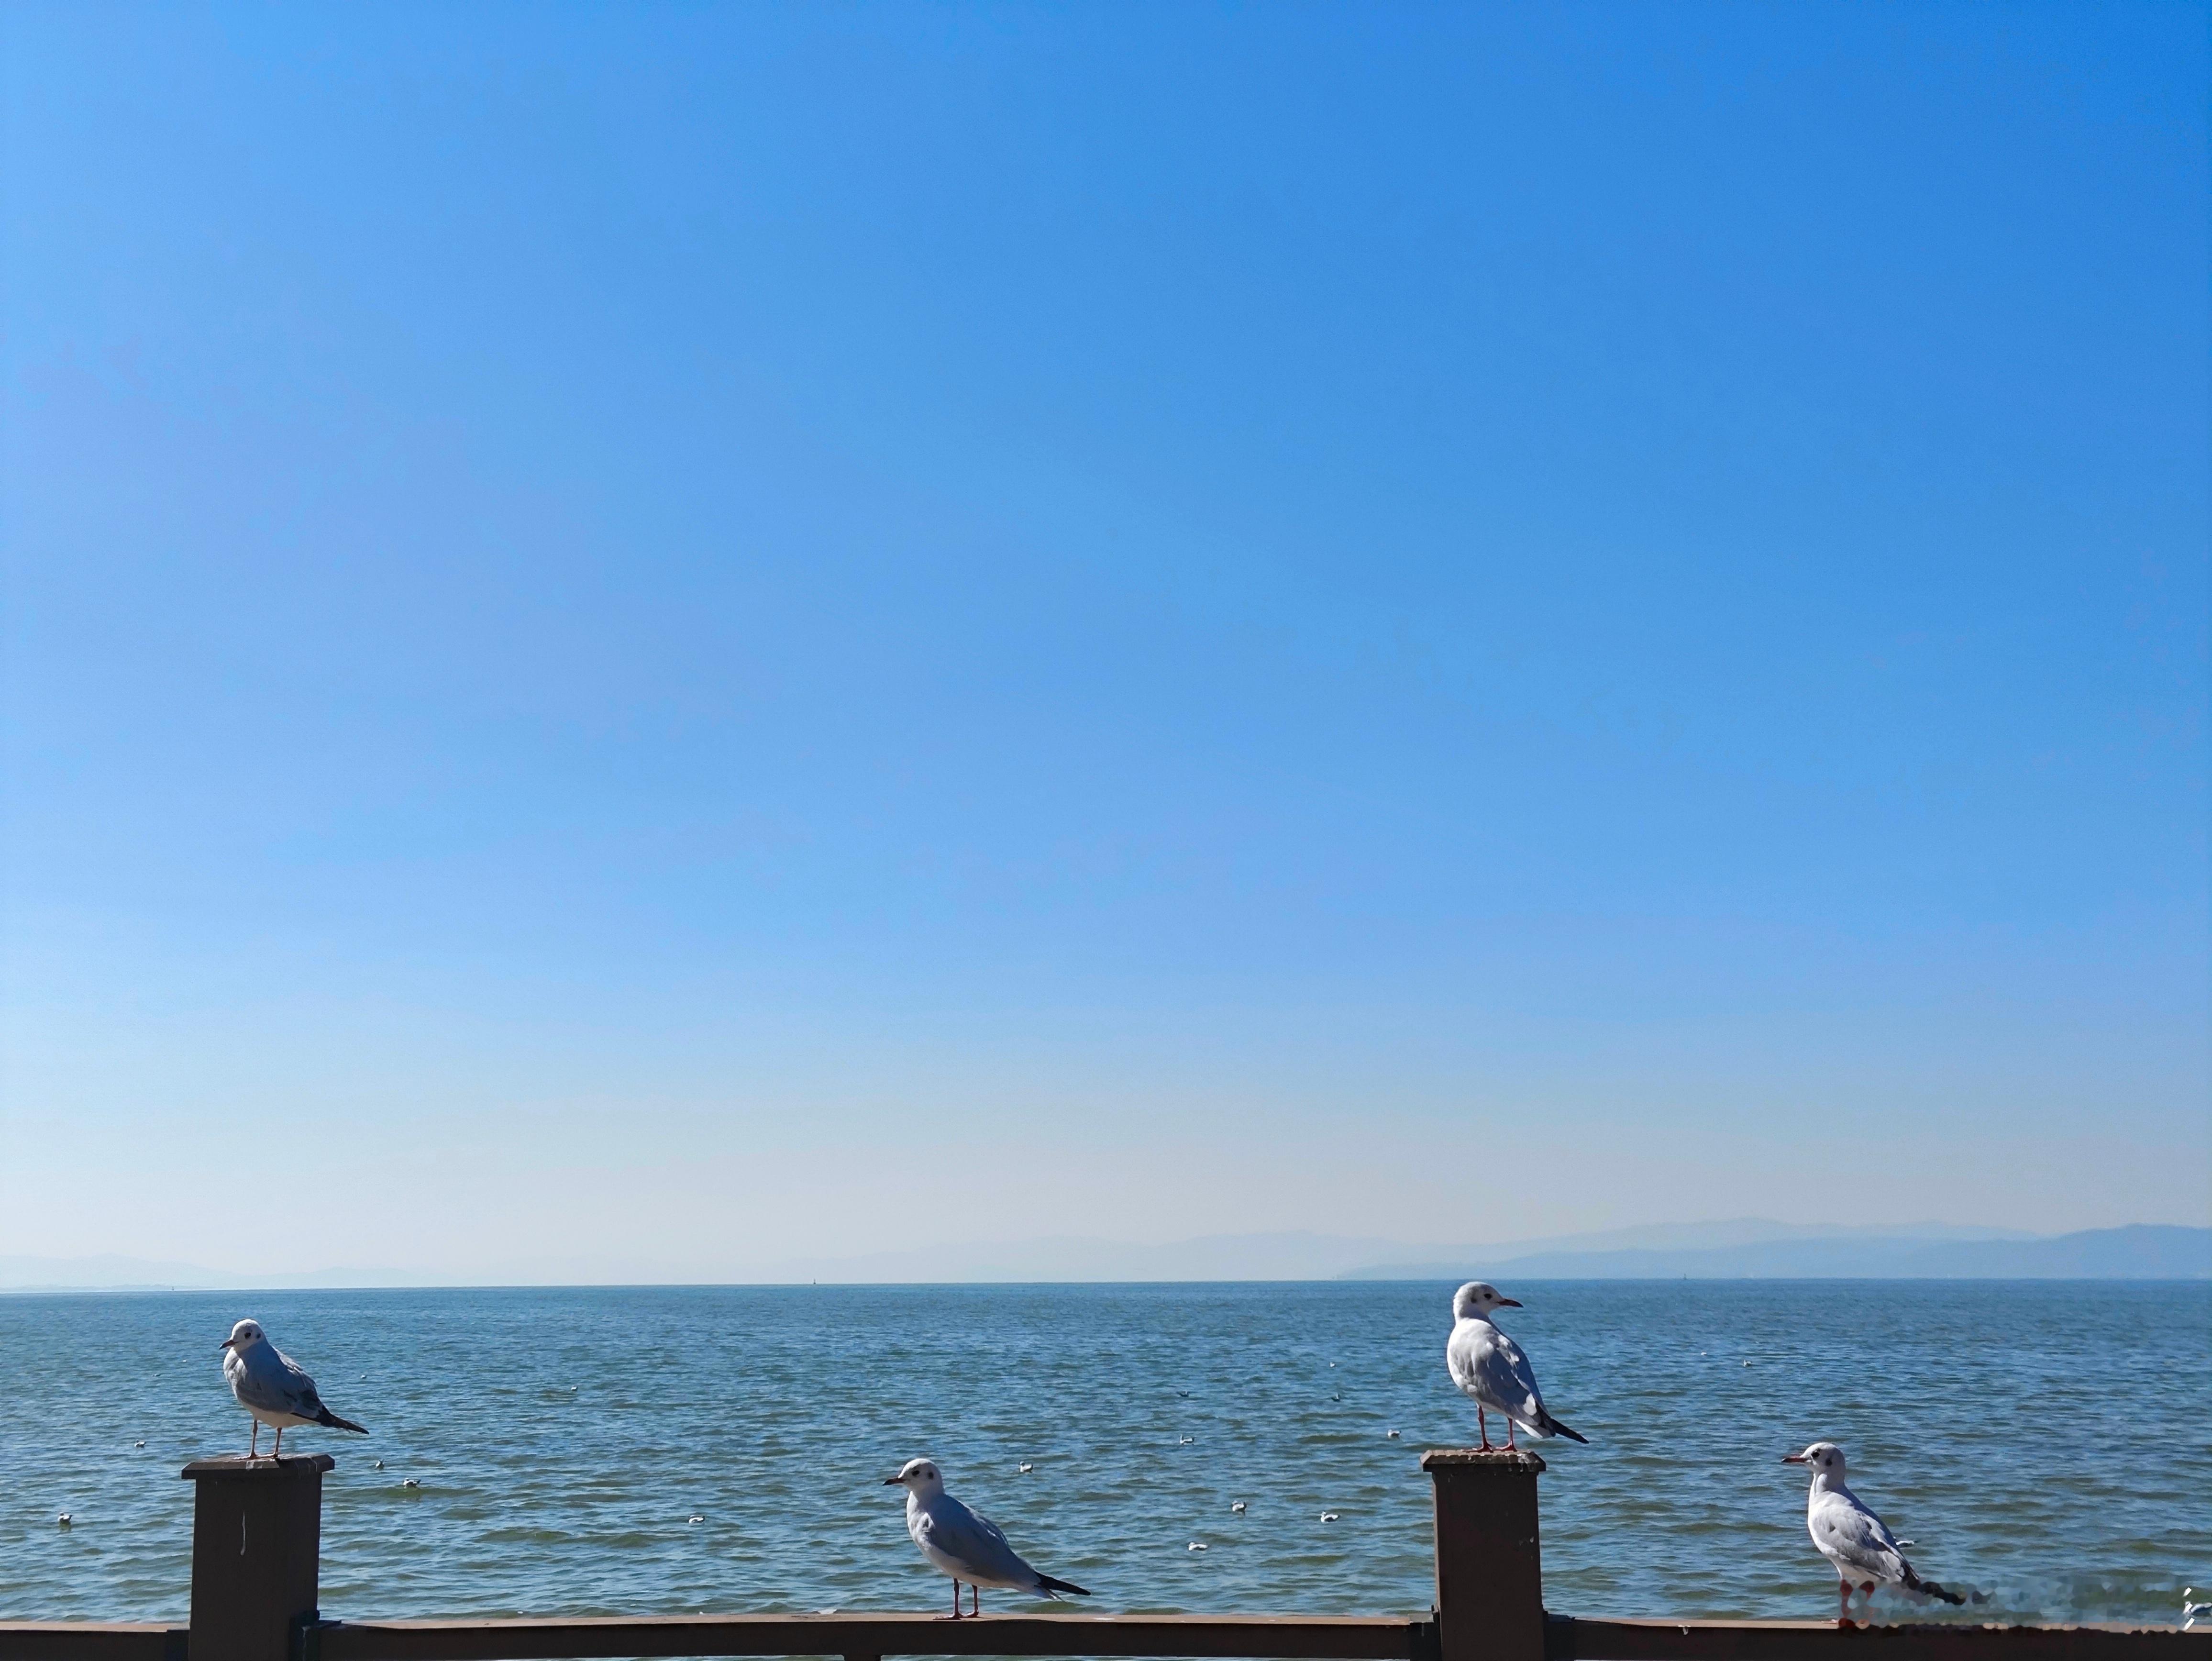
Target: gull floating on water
<point x="63" y="1520"/>
<point x="1026" y="1468"/>
<point x="1239" y="1508"/>
<point x="1490" y="1368"/>
<point x="965" y="1544"/>
<point x="272" y="1387"/>
<point x="1852" y="1537"/>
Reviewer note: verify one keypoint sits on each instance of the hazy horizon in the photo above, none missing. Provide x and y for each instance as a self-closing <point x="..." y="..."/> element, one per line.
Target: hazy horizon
<point x="738" y="635"/>
<point x="1739" y="1247"/>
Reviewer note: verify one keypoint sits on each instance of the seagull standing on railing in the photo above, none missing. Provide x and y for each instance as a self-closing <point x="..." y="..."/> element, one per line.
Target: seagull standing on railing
<point x="1850" y="1536"/>
<point x="963" y="1544"/>
<point x="272" y="1387"/>
<point x="1490" y="1366"/>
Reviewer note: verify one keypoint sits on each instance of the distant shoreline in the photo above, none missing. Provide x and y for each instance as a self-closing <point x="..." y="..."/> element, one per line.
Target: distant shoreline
<point x="1748" y="1249"/>
<point x="1340" y="1283"/>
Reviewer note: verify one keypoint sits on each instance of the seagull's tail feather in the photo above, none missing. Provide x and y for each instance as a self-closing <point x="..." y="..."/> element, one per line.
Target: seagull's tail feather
<point x="1547" y="1426"/>
<point x="325" y="1416"/>
<point x="1046" y="1584"/>
<point x="1929" y="1588"/>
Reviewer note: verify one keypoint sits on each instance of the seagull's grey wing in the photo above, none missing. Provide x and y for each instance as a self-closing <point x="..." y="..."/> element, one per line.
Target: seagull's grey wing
<point x="1511" y="1382"/>
<point x="976" y="1544"/>
<point x="1854" y="1539"/>
<point x="278" y="1383"/>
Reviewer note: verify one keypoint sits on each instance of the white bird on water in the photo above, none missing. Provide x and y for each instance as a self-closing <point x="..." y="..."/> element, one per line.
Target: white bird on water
<point x="965" y="1544"/>
<point x="1852" y="1537"/>
<point x="1490" y="1368"/>
<point x="272" y="1387"/>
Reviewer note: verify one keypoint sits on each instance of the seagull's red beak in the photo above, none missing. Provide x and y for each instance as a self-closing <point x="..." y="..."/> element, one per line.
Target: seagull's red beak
<point x="1793" y="1459"/>
<point x="226" y="1343"/>
<point x="1509" y="1303"/>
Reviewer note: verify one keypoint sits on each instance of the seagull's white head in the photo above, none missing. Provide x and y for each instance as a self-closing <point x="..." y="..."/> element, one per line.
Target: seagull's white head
<point x="919" y="1477"/>
<point x="1826" y="1459"/>
<point x="1479" y="1298"/>
<point x="244" y="1336"/>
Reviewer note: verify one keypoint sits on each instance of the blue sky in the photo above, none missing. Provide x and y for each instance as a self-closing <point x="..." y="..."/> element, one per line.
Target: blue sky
<point x="671" y="636"/>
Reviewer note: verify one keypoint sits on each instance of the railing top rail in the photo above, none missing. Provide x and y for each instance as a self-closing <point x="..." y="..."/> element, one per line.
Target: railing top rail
<point x="1251" y="1637"/>
<point x="1568" y="1637"/>
<point x="92" y="1641"/>
<point x="1226" y="1637"/>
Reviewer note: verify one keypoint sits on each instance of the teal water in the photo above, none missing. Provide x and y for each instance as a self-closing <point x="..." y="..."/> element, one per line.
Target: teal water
<point x="2044" y="1442"/>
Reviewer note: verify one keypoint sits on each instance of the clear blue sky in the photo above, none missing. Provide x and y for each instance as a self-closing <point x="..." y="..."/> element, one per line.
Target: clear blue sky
<point x="672" y="635"/>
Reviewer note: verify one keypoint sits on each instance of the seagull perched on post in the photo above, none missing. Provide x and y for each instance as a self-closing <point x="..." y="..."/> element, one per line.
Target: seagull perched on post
<point x="272" y="1387"/>
<point x="959" y="1542"/>
<point x="1490" y="1366"/>
<point x="1850" y="1536"/>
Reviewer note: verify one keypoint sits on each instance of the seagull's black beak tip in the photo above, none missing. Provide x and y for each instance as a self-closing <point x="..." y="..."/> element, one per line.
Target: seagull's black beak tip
<point x="891" y="1481"/>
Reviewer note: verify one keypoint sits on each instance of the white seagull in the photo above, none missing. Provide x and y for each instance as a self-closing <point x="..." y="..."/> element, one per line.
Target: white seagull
<point x="1850" y="1536"/>
<point x="963" y="1544"/>
<point x="1490" y="1366"/>
<point x="272" y="1387"/>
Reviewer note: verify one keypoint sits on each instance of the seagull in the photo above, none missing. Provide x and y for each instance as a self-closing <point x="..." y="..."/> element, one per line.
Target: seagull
<point x="272" y="1387"/>
<point x="1238" y="1508"/>
<point x="960" y="1543"/>
<point x="1850" y="1536"/>
<point x="1490" y="1366"/>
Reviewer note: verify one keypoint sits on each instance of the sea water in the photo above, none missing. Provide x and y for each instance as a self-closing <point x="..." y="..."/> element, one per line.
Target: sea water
<point x="661" y="1450"/>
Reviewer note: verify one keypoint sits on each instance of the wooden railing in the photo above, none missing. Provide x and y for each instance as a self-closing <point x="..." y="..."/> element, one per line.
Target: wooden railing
<point x="256" y="1529"/>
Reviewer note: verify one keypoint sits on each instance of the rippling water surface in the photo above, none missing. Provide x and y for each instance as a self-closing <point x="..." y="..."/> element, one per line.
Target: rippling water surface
<point x="2044" y="1442"/>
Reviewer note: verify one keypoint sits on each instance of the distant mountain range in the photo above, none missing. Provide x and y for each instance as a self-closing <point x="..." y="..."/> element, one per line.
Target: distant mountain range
<point x="2143" y="1252"/>
<point x="1743" y="1248"/>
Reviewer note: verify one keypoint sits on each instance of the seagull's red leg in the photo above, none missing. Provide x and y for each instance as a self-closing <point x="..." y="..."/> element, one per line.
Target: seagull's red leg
<point x="1844" y="1605"/>
<point x="253" y="1443"/>
<point x="277" y="1452"/>
<point x="1509" y="1434"/>
<point x="1482" y="1423"/>
<point x="975" y="1599"/>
